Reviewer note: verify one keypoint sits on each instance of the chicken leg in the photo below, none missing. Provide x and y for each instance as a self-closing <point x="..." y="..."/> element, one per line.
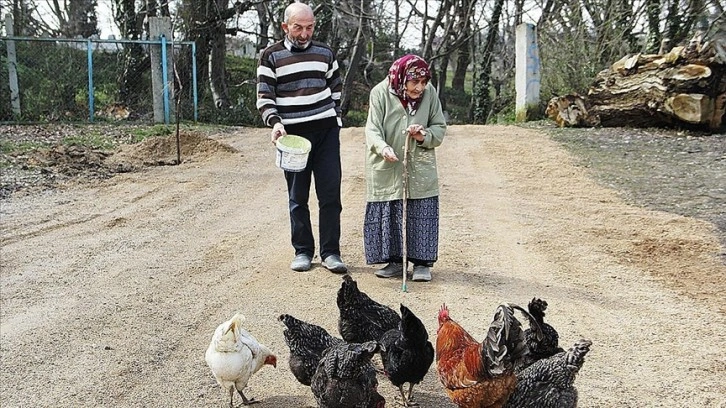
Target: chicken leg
<point x="246" y="401"/>
<point x="407" y="400"/>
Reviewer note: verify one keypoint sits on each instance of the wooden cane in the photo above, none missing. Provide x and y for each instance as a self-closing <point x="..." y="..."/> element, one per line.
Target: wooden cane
<point x="404" y="246"/>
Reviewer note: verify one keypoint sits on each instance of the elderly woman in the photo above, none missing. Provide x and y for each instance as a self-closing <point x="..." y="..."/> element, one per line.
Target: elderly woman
<point x="404" y="105"/>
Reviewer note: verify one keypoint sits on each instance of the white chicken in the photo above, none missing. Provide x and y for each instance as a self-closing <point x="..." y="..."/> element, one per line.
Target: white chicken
<point x="234" y="355"/>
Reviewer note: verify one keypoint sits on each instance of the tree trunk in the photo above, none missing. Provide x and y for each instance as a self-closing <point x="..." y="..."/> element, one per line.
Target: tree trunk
<point x="357" y="54"/>
<point x="441" y="80"/>
<point x="652" y="9"/>
<point x="217" y="77"/>
<point x="482" y="98"/>
<point x="206" y="24"/>
<point x="684" y="88"/>
<point x="263" y="19"/>
<point x="463" y="51"/>
<point x="428" y="45"/>
<point x="81" y="19"/>
<point x="132" y="59"/>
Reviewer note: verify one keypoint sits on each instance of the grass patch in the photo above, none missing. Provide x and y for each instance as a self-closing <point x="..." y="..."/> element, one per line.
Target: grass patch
<point x="143" y="133"/>
<point x="20" y="147"/>
<point x="92" y="140"/>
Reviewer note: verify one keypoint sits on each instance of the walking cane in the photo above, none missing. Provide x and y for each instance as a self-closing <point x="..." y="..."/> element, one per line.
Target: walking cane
<point x="405" y="199"/>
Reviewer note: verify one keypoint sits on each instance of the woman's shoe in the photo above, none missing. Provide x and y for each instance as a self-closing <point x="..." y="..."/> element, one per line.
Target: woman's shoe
<point x="421" y="273"/>
<point x="391" y="270"/>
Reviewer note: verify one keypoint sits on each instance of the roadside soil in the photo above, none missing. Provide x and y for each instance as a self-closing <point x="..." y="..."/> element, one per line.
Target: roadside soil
<point x="113" y="286"/>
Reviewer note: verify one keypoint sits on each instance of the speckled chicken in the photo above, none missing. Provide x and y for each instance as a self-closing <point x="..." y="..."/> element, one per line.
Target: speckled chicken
<point x="550" y="382"/>
<point x="345" y="377"/>
<point x="234" y="355"/>
<point x="361" y="318"/>
<point x="407" y="354"/>
<point x="480" y="375"/>
<point x="539" y="348"/>
<point x="307" y="343"/>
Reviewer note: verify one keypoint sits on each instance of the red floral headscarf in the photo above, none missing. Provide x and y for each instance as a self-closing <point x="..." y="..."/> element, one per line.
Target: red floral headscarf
<point x="407" y="68"/>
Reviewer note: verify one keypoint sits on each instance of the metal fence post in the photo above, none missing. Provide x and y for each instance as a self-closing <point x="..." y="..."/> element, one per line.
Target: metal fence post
<point x="41" y="78"/>
<point x="89" y="49"/>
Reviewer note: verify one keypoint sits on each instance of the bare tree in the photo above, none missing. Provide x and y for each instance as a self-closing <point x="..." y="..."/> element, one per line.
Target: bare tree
<point x="82" y="20"/>
<point x="66" y="18"/>
<point x="23" y="23"/>
<point x="205" y="23"/>
<point x="363" y="9"/>
<point x="133" y="60"/>
<point x="465" y="17"/>
<point x="652" y="9"/>
<point x="482" y="99"/>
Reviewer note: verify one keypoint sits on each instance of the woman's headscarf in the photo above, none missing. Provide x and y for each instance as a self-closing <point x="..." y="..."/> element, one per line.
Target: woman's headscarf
<point x="407" y="68"/>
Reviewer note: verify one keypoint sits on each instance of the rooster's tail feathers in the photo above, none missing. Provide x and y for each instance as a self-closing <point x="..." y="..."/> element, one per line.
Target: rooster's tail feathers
<point x="505" y="342"/>
<point x="537" y="308"/>
<point x="531" y="319"/>
<point x="234" y="322"/>
<point x="411" y="326"/>
<point x="576" y="355"/>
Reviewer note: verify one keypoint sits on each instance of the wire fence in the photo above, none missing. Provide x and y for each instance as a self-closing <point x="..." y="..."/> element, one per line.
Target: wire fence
<point x="61" y="79"/>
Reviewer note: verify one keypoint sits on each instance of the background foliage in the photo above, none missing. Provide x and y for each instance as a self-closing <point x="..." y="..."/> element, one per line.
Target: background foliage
<point x="470" y="44"/>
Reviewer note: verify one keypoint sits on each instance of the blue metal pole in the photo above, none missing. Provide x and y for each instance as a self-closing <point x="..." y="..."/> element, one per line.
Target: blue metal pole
<point x="194" y="78"/>
<point x="164" y="77"/>
<point x="89" y="51"/>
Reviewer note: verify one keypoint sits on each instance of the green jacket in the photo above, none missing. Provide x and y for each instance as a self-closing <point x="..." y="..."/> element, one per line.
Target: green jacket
<point x="387" y="121"/>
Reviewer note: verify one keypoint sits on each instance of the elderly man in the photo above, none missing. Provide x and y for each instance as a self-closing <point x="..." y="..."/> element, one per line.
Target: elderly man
<point x="298" y="92"/>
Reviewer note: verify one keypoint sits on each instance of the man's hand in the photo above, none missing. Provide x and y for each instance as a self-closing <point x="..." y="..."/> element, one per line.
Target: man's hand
<point x="389" y="155"/>
<point x="278" y="131"/>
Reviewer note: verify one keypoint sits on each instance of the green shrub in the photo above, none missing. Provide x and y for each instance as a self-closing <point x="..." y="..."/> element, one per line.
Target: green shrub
<point x="355" y="118"/>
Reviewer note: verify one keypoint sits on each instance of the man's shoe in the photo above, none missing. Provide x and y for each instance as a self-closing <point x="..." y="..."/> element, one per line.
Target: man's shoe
<point x="301" y="263"/>
<point x="391" y="270"/>
<point x="334" y="264"/>
<point x="421" y="273"/>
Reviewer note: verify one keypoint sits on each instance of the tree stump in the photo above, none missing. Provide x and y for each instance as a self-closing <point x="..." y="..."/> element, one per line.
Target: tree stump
<point x="685" y="87"/>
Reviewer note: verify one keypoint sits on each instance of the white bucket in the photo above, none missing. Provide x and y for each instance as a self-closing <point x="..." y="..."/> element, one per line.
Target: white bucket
<point x="292" y="153"/>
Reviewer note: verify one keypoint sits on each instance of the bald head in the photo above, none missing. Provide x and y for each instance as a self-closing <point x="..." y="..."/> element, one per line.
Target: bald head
<point x="299" y="25"/>
<point x="297" y="11"/>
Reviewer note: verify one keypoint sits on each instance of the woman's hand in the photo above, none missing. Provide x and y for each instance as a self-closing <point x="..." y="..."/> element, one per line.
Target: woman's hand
<point x="389" y="155"/>
<point x="417" y="132"/>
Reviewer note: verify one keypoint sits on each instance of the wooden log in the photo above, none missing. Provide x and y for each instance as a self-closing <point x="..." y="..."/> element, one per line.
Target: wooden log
<point x="685" y="87"/>
<point x="691" y="108"/>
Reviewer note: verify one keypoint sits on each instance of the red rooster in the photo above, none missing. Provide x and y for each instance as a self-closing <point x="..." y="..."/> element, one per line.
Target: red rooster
<point x="480" y="375"/>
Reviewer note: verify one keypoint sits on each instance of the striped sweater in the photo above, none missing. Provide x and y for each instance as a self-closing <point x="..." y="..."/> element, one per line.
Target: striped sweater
<point x="300" y="88"/>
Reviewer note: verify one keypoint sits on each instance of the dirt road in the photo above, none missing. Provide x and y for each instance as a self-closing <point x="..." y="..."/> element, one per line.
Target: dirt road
<point x="111" y="291"/>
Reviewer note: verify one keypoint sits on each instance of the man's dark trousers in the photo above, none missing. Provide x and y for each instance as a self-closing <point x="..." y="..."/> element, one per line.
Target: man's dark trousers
<point x="324" y="166"/>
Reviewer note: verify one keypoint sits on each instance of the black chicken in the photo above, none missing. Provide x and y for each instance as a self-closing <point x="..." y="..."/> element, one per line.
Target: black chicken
<point x="407" y="353"/>
<point x="345" y="377"/>
<point x="307" y="343"/>
<point x="549" y="383"/>
<point x="539" y="348"/>
<point x="361" y="318"/>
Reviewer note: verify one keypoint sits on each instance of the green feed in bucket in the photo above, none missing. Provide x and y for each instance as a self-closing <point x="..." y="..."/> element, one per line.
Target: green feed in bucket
<point x="292" y="142"/>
